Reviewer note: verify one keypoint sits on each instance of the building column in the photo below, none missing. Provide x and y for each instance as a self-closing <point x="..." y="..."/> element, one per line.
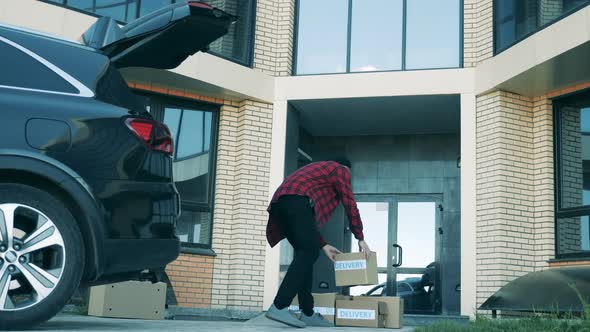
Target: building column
<point x="277" y="173"/>
<point x="468" y="205"/>
<point x="505" y="191"/>
<point x="241" y="197"/>
<point x="478" y="31"/>
<point x="275" y="27"/>
<point x="544" y="181"/>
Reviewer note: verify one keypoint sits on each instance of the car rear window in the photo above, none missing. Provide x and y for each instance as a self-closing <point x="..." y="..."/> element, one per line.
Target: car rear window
<point x="20" y="70"/>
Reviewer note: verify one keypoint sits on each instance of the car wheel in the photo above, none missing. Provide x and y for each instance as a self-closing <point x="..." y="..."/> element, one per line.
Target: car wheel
<point x="41" y="256"/>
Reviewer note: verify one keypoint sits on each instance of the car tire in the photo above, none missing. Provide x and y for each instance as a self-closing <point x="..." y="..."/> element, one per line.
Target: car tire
<point x="42" y="280"/>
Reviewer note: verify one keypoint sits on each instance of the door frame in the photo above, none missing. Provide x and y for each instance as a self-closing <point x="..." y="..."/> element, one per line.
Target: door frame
<point x="393" y="200"/>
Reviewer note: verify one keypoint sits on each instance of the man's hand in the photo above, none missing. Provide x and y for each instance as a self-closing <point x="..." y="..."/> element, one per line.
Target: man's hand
<point x="364" y="247"/>
<point x="331" y="252"/>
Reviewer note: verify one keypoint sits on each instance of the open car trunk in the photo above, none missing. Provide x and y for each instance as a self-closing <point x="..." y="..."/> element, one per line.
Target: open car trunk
<point x="162" y="39"/>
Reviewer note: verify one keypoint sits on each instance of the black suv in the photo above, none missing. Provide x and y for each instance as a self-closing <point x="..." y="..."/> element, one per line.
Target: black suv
<point x="86" y="188"/>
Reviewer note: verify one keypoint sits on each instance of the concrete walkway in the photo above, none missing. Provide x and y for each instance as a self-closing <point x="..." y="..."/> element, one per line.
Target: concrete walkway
<point x="260" y="324"/>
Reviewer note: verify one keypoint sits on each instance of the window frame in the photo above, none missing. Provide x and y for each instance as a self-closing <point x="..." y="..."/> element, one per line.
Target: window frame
<point x="582" y="96"/>
<point x="403" y="50"/>
<point x="525" y="36"/>
<point x="249" y="62"/>
<point x="157" y="103"/>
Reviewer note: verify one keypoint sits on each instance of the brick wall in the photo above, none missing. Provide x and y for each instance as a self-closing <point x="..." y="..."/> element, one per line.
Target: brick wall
<point x="544" y="181"/>
<point x="240" y="206"/>
<point x="191" y="277"/>
<point x="478" y="31"/>
<point x="273" y="46"/>
<point x="505" y="191"/>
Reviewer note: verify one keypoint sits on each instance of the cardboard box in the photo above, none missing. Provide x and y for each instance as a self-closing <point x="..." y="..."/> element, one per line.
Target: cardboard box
<point x="357" y="312"/>
<point x="131" y="299"/>
<point x="324" y="303"/>
<point x="353" y="269"/>
<point x="391" y="310"/>
<point x="370" y="311"/>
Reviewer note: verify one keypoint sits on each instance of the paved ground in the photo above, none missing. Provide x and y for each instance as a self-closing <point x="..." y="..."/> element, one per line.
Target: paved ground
<point x="82" y="323"/>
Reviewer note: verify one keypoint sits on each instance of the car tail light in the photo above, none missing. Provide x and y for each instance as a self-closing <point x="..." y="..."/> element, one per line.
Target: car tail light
<point x="199" y="4"/>
<point x="153" y="133"/>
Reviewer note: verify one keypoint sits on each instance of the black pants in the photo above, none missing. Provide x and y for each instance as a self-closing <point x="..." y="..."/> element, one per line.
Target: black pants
<point x="297" y="221"/>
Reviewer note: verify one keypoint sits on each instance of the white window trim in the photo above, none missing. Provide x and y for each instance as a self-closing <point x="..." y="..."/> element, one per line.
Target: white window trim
<point x="83" y="91"/>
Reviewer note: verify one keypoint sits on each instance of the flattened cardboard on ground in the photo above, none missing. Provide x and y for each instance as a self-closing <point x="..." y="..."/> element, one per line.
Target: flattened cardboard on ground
<point x="353" y="269"/>
<point x="131" y="299"/>
<point x="357" y="312"/>
<point x="324" y="303"/>
<point x="370" y="311"/>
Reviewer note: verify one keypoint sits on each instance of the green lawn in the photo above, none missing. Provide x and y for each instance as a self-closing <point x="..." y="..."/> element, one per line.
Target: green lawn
<point x="512" y="325"/>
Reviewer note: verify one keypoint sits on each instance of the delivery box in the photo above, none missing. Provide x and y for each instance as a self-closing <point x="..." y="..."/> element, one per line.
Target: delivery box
<point x="357" y="312"/>
<point x="370" y="311"/>
<point x="353" y="269"/>
<point x="324" y="303"/>
<point x="391" y="310"/>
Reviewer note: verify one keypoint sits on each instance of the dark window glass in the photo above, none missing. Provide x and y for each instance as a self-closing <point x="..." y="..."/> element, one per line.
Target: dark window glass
<point x="193" y="128"/>
<point x="322" y="36"/>
<point x="432" y="37"/>
<point x="192" y="134"/>
<point x="172" y="120"/>
<point x="19" y="69"/>
<point x="573" y="235"/>
<point x="194" y="227"/>
<point x="236" y="45"/>
<point x="517" y="19"/>
<point x="573" y="175"/>
<point x="376" y="36"/>
<point x="575" y="156"/>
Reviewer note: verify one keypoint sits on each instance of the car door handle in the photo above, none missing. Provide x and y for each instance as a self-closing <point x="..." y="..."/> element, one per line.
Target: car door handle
<point x="399" y="256"/>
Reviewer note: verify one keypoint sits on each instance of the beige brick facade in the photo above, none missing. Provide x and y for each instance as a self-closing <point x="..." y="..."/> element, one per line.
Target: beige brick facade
<point x="240" y="217"/>
<point x="478" y="44"/>
<point x="515" y="225"/>
<point x="273" y="46"/>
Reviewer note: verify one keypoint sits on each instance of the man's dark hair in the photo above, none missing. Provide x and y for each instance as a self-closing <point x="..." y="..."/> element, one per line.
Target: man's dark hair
<point x="343" y="162"/>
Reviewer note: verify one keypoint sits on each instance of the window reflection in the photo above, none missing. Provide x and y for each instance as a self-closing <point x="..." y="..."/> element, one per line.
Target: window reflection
<point x="516" y="19"/>
<point x="573" y="230"/>
<point x="376" y="36"/>
<point x="322" y="36"/>
<point x="432" y="37"/>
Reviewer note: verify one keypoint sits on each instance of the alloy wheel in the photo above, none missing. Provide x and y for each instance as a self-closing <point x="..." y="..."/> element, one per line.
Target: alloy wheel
<point x="32" y="256"/>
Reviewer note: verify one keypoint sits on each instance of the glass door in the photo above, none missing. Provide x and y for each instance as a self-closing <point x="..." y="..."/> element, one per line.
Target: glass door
<point x="417" y="239"/>
<point x="404" y="230"/>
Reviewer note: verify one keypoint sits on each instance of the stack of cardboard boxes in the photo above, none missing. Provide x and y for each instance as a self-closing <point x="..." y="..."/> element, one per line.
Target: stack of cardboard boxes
<point x="354" y="269"/>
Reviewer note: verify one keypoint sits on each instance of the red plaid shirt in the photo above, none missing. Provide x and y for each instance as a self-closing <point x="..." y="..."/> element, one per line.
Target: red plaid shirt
<point x="326" y="183"/>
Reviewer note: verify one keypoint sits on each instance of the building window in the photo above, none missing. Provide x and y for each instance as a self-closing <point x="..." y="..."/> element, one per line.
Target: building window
<point x="514" y="20"/>
<point x="572" y="121"/>
<point x="237" y="45"/>
<point x="343" y="36"/>
<point x="194" y="128"/>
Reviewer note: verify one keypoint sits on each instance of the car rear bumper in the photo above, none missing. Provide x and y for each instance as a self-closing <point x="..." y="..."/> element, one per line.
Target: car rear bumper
<point x="123" y="256"/>
<point x="138" y="210"/>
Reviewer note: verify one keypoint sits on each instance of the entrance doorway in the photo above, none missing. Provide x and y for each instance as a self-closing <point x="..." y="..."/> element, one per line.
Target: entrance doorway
<point x="406" y="233"/>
